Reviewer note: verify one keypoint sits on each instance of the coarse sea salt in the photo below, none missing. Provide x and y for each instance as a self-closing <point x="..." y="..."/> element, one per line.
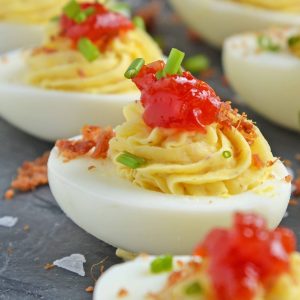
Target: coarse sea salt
<point x="8" y="221"/>
<point x="73" y="263"/>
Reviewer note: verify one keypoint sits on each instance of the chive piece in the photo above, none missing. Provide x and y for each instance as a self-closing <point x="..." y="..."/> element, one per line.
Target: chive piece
<point x="139" y="22"/>
<point x="162" y="264"/>
<point x="130" y="160"/>
<point x="193" y="289"/>
<point x="266" y="43"/>
<point x="71" y="9"/>
<point x="88" y="49"/>
<point x="83" y="15"/>
<point x="134" y="68"/>
<point x="294" y="40"/>
<point x="226" y="154"/>
<point x="160" y="74"/>
<point x="197" y="63"/>
<point x="174" y="62"/>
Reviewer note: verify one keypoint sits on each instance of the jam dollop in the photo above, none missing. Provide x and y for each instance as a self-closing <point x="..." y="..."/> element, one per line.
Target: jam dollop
<point x="246" y="256"/>
<point x="101" y="26"/>
<point x="176" y="101"/>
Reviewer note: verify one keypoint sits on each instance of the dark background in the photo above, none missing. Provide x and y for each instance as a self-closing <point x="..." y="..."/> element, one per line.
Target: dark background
<point x="52" y="235"/>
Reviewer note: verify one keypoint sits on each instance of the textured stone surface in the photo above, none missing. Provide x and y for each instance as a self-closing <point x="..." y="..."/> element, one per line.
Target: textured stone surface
<point x="52" y="235"/>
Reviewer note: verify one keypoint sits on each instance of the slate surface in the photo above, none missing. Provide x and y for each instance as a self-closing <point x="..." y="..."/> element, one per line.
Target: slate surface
<point x="52" y="235"/>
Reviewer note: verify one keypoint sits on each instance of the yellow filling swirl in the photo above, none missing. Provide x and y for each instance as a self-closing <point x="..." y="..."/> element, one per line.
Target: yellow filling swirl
<point x="278" y="5"/>
<point x="189" y="163"/>
<point x="30" y="11"/>
<point x="58" y="66"/>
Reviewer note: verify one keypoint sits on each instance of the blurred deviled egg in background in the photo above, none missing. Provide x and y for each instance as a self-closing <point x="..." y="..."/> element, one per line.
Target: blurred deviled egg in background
<point x="264" y="69"/>
<point x="76" y="76"/>
<point x="216" y="20"/>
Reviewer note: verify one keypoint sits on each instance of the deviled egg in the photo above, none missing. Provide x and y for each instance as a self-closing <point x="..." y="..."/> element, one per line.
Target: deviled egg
<point x="182" y="163"/>
<point x="245" y="262"/>
<point x="264" y="69"/>
<point x="216" y="20"/>
<point x="76" y="76"/>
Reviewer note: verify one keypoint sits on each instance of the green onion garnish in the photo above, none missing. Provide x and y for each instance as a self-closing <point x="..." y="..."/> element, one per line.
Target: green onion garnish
<point x="266" y="43"/>
<point x="84" y="14"/>
<point x="193" y="289"/>
<point x="88" y="49"/>
<point x="139" y="22"/>
<point x="134" y="68"/>
<point x="227" y="154"/>
<point x="162" y="264"/>
<point x="294" y="40"/>
<point x="174" y="62"/>
<point x="130" y="160"/>
<point x="197" y="63"/>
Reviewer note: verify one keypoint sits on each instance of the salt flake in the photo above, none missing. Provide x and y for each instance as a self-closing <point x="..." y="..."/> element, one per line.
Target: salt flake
<point x="73" y="263"/>
<point x="8" y="221"/>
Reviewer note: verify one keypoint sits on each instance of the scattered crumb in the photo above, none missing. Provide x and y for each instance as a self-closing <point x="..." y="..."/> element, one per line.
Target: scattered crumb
<point x="287" y="162"/>
<point x="293" y="202"/>
<point x="122" y="293"/>
<point x="180" y="263"/>
<point x="288" y="178"/>
<point x="8" y="221"/>
<point x="100" y="264"/>
<point x="49" y="266"/>
<point x="81" y="73"/>
<point x="26" y="227"/>
<point x="89" y="289"/>
<point x="257" y="161"/>
<point x="30" y="175"/>
<point x="91" y="168"/>
<point x="9" y="194"/>
<point x="73" y="263"/>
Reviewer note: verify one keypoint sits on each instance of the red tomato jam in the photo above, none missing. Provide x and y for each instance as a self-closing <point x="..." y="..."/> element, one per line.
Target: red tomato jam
<point x="246" y="256"/>
<point x="176" y="101"/>
<point x="100" y="27"/>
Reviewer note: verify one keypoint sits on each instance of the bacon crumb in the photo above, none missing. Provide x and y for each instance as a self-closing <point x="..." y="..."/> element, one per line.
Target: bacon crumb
<point x="26" y="227"/>
<point x="270" y="163"/>
<point x="180" y="263"/>
<point x="29" y="176"/>
<point x="91" y="168"/>
<point x="9" y="194"/>
<point x="49" y="266"/>
<point x="288" y="178"/>
<point x="257" y="162"/>
<point x="293" y="202"/>
<point x="122" y="293"/>
<point x="92" y="137"/>
<point x="287" y="163"/>
<point x="81" y="73"/>
<point x="89" y="289"/>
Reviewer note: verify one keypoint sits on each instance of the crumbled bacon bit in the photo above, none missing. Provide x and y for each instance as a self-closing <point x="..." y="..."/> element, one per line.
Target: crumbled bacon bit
<point x="89" y="289"/>
<point x="91" y="168"/>
<point x="193" y="36"/>
<point x="30" y="175"/>
<point x="180" y="263"/>
<point x="92" y="137"/>
<point x="293" y="202"/>
<point x="288" y="178"/>
<point x="26" y="227"/>
<point x="175" y="277"/>
<point x="257" y="162"/>
<point x="43" y="50"/>
<point x="9" y="194"/>
<point x="287" y="163"/>
<point x="49" y="266"/>
<point x="122" y="293"/>
<point x="270" y="163"/>
<point x="81" y="73"/>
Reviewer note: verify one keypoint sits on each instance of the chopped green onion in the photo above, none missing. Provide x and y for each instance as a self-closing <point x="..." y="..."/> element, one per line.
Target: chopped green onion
<point x="134" y="68"/>
<point x="122" y="8"/>
<point x="227" y="154"/>
<point x="84" y="14"/>
<point x="88" y="49"/>
<point x="55" y="19"/>
<point x="294" y="40"/>
<point x="130" y="160"/>
<point x="160" y="74"/>
<point x="197" y="63"/>
<point x="266" y="43"/>
<point x="162" y="264"/>
<point x="193" y="289"/>
<point x="139" y="22"/>
<point x="174" y="62"/>
<point x="71" y="9"/>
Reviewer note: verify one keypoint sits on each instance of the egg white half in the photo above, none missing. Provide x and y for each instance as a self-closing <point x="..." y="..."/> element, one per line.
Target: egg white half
<point x="49" y="114"/>
<point x="267" y="81"/>
<point x="135" y="277"/>
<point x="138" y="220"/>
<point x="216" y="20"/>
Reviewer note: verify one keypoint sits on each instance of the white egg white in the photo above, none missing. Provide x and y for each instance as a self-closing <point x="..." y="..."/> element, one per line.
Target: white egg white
<point x="49" y="114"/>
<point x="13" y="35"/>
<point x="134" y="277"/>
<point x="216" y="20"/>
<point x="116" y="211"/>
<point x="267" y="81"/>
